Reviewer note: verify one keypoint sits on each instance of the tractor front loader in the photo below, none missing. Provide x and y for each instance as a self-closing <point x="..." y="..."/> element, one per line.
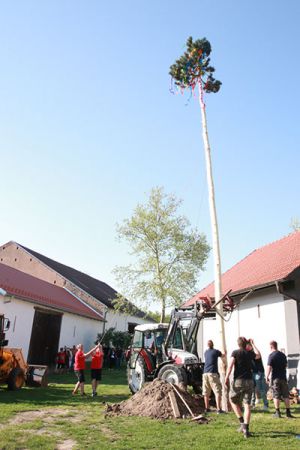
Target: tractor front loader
<point x="14" y="371"/>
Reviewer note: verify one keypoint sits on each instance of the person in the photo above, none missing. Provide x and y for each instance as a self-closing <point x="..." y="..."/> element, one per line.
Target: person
<point x="211" y="377"/>
<point x="73" y="353"/>
<point x="258" y="381"/>
<point x="119" y="357"/>
<point x="242" y="385"/>
<point x="277" y="364"/>
<point x="112" y="358"/>
<point x="61" y="358"/>
<point x="96" y="368"/>
<point x="67" y="358"/>
<point x="79" y="368"/>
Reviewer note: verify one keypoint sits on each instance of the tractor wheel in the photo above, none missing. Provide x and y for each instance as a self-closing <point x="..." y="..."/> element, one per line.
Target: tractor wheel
<point x="173" y="374"/>
<point x="16" y="379"/>
<point x="136" y="376"/>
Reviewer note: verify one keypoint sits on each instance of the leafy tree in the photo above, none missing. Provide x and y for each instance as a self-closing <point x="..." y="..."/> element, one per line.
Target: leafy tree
<point x="156" y="315"/>
<point x="119" y="339"/>
<point x="169" y="254"/>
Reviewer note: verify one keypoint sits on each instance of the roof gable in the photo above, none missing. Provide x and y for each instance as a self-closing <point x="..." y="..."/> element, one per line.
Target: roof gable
<point x="30" y="288"/>
<point x="96" y="288"/>
<point x="266" y="265"/>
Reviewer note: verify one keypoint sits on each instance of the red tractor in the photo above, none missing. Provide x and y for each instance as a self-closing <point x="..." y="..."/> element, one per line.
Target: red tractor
<point x="169" y="351"/>
<point x="166" y="351"/>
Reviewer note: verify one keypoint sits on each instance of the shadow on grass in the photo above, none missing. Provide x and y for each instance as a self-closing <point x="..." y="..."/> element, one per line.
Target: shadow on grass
<point x="52" y="396"/>
<point x="112" y="389"/>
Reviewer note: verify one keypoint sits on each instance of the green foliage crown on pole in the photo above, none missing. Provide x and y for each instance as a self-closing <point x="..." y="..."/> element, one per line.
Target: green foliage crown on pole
<point x="193" y="67"/>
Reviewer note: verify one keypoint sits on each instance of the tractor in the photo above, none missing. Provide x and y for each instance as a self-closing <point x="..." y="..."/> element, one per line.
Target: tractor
<point x="14" y="371"/>
<point x="13" y="368"/>
<point x="169" y="351"/>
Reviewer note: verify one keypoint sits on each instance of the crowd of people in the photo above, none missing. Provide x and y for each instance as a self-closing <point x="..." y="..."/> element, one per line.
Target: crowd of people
<point x="246" y="378"/>
<point x="249" y="381"/>
<point x="74" y="359"/>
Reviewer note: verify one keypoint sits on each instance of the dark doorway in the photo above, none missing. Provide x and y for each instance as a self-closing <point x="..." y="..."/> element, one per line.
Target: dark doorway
<point x="44" y="337"/>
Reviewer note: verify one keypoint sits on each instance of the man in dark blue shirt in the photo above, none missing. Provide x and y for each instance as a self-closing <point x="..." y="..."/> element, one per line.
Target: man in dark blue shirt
<point x="277" y="363"/>
<point x="211" y="377"/>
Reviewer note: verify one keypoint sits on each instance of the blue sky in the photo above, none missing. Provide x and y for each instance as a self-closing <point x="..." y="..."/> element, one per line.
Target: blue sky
<point x="88" y="125"/>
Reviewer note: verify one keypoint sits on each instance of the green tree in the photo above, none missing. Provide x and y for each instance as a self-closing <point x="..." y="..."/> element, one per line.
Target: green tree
<point x="119" y="339"/>
<point x="169" y="255"/>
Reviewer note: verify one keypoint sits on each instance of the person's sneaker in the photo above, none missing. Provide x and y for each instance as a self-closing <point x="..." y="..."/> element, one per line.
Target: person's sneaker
<point x="289" y="415"/>
<point x="277" y="415"/>
<point x="245" y="430"/>
<point x="74" y="393"/>
<point x="246" y="434"/>
<point x="83" y="394"/>
<point x="240" y="429"/>
<point x="265" y="408"/>
<point x="220" y="411"/>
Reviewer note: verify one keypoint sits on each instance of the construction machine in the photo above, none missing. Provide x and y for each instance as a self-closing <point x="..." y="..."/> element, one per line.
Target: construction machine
<point x="14" y="370"/>
<point x="169" y="351"/>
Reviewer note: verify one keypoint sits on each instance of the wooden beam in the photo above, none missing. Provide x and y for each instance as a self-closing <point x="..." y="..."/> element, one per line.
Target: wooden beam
<point x="174" y="405"/>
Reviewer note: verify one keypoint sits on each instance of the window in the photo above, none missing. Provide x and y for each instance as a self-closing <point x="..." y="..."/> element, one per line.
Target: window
<point x="137" y="339"/>
<point x="178" y="339"/>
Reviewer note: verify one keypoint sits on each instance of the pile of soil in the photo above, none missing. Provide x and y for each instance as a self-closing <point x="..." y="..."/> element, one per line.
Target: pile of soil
<point x="153" y="401"/>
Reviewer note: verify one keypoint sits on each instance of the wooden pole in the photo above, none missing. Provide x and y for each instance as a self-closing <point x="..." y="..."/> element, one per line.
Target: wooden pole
<point x="216" y="245"/>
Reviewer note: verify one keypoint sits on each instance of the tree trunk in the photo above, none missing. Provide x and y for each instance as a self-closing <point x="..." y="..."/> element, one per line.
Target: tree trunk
<point x="216" y="246"/>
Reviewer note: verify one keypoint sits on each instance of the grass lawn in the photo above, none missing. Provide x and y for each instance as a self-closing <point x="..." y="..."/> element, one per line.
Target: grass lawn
<point x="51" y="418"/>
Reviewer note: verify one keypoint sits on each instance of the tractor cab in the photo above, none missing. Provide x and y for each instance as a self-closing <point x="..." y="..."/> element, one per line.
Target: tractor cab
<point x="159" y="350"/>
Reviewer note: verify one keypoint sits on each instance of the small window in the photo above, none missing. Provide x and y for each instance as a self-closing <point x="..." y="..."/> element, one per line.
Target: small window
<point x="137" y="339"/>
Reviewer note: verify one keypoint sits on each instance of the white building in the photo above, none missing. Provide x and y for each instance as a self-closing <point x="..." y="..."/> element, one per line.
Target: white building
<point x="271" y="311"/>
<point x="44" y="317"/>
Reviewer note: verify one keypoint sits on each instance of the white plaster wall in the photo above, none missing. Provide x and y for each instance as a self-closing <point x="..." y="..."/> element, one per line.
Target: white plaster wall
<point x="79" y="330"/>
<point x="120" y="321"/>
<point x="21" y="315"/>
<point x="246" y="322"/>
<point x="74" y="329"/>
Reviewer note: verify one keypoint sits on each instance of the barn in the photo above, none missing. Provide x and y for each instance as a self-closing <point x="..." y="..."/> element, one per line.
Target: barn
<point x="89" y="290"/>
<point x="271" y="274"/>
<point x="44" y="317"/>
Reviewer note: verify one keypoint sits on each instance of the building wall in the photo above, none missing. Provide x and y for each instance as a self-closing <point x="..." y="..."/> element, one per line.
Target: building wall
<point x="21" y="315"/>
<point x="74" y="329"/>
<point x="120" y="321"/>
<point x="261" y="317"/>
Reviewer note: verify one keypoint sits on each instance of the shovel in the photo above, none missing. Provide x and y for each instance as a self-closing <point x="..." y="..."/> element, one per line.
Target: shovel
<point x="194" y="418"/>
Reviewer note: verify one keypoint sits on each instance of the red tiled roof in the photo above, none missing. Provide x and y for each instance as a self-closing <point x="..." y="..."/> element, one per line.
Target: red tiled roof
<point x="263" y="266"/>
<point x="27" y="287"/>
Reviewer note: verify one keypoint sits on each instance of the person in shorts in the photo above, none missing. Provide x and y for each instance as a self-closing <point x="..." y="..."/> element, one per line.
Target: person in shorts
<point x="277" y="364"/>
<point x="211" y="377"/>
<point x="79" y="368"/>
<point x="96" y="368"/>
<point x="242" y="385"/>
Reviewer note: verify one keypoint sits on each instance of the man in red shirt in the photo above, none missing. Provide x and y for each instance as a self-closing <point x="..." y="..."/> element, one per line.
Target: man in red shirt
<point x="79" y="367"/>
<point x="96" y="368"/>
<point x="61" y="359"/>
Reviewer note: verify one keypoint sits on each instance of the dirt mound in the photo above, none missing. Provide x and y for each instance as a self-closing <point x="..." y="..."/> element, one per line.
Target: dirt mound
<point x="154" y="401"/>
